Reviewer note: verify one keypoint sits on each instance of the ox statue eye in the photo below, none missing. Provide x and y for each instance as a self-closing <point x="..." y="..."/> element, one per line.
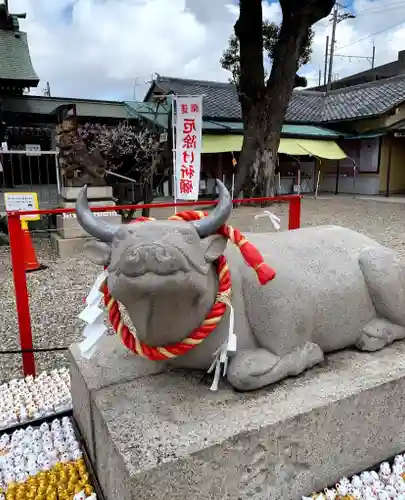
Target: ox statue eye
<point x="133" y="255"/>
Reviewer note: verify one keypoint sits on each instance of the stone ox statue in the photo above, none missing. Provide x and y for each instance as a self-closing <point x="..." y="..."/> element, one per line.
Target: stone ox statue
<point x="334" y="289"/>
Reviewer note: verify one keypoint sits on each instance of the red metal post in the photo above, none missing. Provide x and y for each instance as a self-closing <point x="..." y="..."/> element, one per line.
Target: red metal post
<point x="21" y="291"/>
<point x="294" y="214"/>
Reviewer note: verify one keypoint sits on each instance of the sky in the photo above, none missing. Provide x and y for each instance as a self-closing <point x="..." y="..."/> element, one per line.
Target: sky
<point x="110" y="49"/>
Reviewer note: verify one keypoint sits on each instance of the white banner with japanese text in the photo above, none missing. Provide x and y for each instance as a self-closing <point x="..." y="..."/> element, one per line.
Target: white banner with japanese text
<point x="188" y="147"/>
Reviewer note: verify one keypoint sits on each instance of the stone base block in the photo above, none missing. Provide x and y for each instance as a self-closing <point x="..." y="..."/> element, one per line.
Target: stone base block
<point x="111" y="364"/>
<point x="67" y="224"/>
<point x="167" y="436"/>
<point x="93" y="193"/>
<point x="68" y="247"/>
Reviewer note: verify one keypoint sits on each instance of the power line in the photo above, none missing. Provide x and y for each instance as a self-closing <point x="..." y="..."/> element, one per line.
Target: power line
<point x="371" y="35"/>
<point x="378" y="9"/>
<point x="371" y="59"/>
<point x="394" y="9"/>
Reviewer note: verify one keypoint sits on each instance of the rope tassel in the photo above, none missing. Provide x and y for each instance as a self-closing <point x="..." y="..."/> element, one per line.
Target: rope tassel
<point x="250" y="254"/>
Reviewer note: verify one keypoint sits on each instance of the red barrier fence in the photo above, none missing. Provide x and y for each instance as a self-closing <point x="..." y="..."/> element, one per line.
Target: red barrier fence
<point x="17" y="256"/>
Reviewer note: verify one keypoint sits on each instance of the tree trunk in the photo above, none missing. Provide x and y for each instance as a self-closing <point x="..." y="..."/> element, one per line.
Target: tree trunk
<point x="258" y="158"/>
<point x="264" y="106"/>
<point x="265" y="118"/>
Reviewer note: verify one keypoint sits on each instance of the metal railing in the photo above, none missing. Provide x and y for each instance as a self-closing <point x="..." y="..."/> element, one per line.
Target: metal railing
<point x="18" y="265"/>
<point x="24" y="171"/>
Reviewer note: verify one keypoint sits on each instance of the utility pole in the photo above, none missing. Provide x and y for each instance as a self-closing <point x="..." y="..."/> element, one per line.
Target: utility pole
<point x="332" y="44"/>
<point x="47" y="90"/>
<point x="326" y="61"/>
<point x="373" y="58"/>
<point x="337" y="18"/>
<point x="319" y="77"/>
<point x="136" y="84"/>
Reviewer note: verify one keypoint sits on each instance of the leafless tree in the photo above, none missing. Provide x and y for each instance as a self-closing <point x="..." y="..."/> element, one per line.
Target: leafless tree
<point x="128" y="150"/>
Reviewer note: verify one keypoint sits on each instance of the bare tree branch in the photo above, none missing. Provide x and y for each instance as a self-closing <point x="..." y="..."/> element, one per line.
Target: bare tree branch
<point x="128" y="150"/>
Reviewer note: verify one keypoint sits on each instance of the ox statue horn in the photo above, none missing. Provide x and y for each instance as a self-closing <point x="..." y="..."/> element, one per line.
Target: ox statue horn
<point x="219" y="216"/>
<point x="105" y="232"/>
<point x="97" y="228"/>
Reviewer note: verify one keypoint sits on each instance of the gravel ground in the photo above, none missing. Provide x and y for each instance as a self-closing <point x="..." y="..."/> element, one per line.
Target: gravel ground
<point x="56" y="294"/>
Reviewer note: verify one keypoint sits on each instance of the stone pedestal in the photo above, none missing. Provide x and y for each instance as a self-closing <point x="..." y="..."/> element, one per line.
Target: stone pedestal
<point x="165" y="435"/>
<point x="71" y="237"/>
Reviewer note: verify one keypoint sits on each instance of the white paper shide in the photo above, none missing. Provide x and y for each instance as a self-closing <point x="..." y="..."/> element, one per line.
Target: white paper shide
<point x="188" y="147"/>
<point x="94" y="315"/>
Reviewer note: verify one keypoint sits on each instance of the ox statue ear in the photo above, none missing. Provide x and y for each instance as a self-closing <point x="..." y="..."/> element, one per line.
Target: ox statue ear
<point x="214" y="246"/>
<point x="98" y="252"/>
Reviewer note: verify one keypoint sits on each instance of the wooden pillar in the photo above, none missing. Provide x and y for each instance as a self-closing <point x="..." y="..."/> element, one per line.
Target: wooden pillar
<point x="387" y="190"/>
<point x="337" y="177"/>
<point x="314" y="175"/>
<point x="220" y="165"/>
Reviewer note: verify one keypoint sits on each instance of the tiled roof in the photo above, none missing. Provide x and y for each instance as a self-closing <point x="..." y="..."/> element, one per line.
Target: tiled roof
<point x="306" y="107"/>
<point x="15" y="59"/>
<point x="220" y="99"/>
<point x="362" y="101"/>
<point x="87" y="108"/>
<point x="366" y="100"/>
<point x="160" y="114"/>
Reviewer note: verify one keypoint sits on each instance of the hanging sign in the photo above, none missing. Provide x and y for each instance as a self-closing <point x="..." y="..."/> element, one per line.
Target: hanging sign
<point x="18" y="202"/>
<point x="188" y="147"/>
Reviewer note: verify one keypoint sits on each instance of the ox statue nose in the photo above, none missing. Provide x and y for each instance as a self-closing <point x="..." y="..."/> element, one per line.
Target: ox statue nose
<point x="151" y="258"/>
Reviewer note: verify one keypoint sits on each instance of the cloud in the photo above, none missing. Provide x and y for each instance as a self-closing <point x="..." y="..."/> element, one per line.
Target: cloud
<point x="97" y="48"/>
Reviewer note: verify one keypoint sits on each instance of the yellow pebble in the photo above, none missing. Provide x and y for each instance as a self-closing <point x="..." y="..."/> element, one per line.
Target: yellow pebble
<point x="53" y="480"/>
<point x="42" y="489"/>
<point x="63" y="476"/>
<point x="89" y="490"/>
<point x="85" y="477"/>
<point x="70" y="489"/>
